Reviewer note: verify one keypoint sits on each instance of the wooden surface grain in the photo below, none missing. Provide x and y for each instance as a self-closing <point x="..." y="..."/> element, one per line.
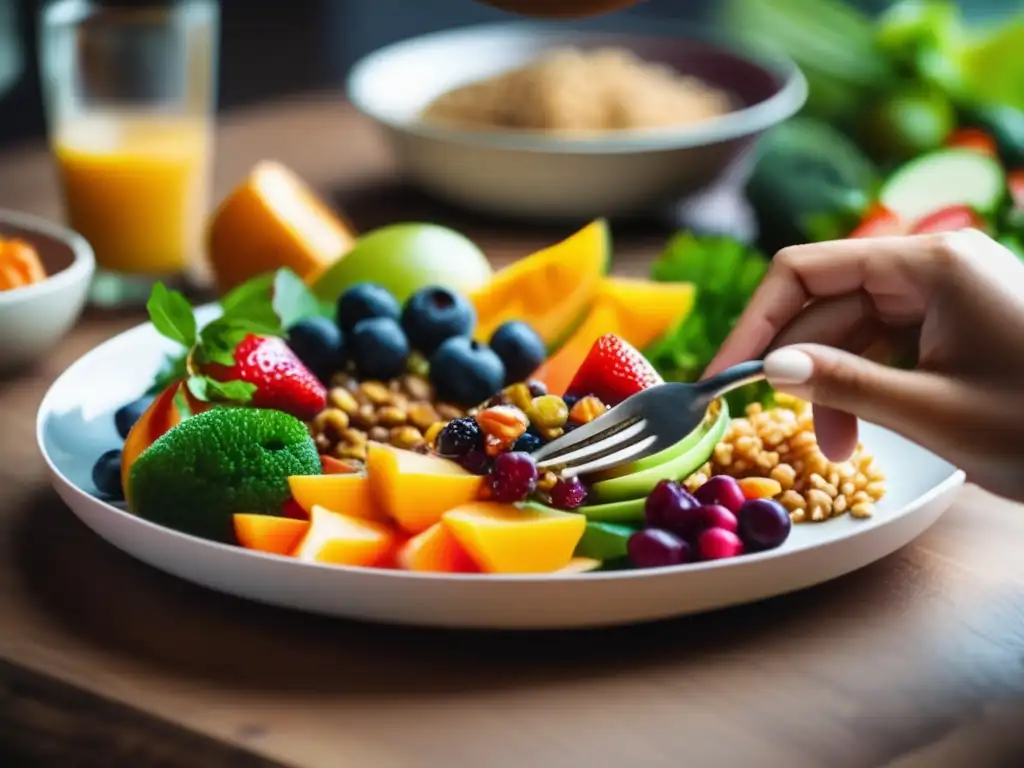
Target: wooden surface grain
<point x="917" y="660"/>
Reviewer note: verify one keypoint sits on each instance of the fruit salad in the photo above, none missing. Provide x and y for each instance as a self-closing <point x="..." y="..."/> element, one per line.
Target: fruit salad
<point x="357" y="426"/>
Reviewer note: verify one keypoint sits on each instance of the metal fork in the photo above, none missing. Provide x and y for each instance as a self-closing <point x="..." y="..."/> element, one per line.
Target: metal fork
<point x="643" y="424"/>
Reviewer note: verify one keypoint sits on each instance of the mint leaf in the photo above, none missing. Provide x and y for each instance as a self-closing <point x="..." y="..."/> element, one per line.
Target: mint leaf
<point x="293" y="301"/>
<point x="255" y="290"/>
<point x="197" y="386"/>
<point x="234" y="391"/>
<point x="171" y="315"/>
<point x="219" y="339"/>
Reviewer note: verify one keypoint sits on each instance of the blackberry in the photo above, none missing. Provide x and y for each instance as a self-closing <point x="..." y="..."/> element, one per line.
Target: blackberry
<point x="459" y="437"/>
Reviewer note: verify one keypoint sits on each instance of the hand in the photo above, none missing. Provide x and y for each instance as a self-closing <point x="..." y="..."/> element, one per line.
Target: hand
<point x="831" y="311"/>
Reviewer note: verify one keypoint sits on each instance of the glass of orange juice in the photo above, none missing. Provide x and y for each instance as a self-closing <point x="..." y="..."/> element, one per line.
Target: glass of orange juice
<point x="130" y="91"/>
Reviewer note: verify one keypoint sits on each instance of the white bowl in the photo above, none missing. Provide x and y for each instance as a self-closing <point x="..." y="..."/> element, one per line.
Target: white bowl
<point x="34" y="318"/>
<point x="542" y="176"/>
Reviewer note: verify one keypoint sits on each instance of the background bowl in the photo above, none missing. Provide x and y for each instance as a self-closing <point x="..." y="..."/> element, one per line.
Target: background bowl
<point x="542" y="176"/>
<point x="34" y="318"/>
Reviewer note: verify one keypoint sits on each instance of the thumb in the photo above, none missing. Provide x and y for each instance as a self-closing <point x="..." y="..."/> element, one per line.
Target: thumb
<point x="921" y="406"/>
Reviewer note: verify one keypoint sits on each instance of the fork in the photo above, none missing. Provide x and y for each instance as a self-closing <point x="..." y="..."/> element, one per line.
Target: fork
<point x="643" y="424"/>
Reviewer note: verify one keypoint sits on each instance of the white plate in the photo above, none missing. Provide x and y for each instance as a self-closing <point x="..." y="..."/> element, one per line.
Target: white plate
<point x="75" y="425"/>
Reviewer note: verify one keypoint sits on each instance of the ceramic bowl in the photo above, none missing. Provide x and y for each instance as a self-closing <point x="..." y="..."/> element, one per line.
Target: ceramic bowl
<point x="539" y="175"/>
<point x="34" y="318"/>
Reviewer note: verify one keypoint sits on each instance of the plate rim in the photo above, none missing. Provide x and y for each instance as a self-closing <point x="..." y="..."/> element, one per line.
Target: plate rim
<point x="956" y="477"/>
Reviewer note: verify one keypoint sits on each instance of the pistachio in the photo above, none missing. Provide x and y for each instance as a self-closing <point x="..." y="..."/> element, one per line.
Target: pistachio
<point x="390" y="416"/>
<point x="405" y="437"/>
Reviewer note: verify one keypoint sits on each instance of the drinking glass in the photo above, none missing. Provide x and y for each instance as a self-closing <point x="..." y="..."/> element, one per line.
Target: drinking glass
<point x="130" y="92"/>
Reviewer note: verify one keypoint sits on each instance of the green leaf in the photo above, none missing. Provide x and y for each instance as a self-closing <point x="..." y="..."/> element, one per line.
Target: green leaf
<point x="234" y="391"/>
<point x="174" y="369"/>
<point x="255" y="290"/>
<point x="219" y="340"/>
<point x="197" y="386"/>
<point x="172" y="315"/>
<point x="293" y="301"/>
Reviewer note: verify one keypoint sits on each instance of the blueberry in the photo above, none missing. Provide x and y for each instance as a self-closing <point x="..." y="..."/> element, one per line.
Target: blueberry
<point x="379" y="348"/>
<point x="106" y="475"/>
<point x="520" y="349"/>
<point x="364" y="301"/>
<point x="319" y="344"/>
<point x="528" y="443"/>
<point x="465" y="372"/>
<point x="127" y="415"/>
<point x="435" y="314"/>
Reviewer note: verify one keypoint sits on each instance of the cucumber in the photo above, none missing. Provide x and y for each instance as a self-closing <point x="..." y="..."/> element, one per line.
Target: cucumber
<point x="943" y="178"/>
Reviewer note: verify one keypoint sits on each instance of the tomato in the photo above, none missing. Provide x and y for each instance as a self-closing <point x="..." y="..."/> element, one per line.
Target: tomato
<point x="974" y="139"/>
<point x="879" y="221"/>
<point x="948" y="219"/>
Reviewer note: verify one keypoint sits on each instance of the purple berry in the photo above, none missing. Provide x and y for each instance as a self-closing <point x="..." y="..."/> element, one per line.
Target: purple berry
<point x="654" y="548"/>
<point x="670" y="506"/>
<point x="763" y="524"/>
<point x="718" y="544"/>
<point x="721" y="489"/>
<point x="568" y="493"/>
<point x="477" y="462"/>
<point x="513" y="477"/>
<point x="716" y="516"/>
<point x="459" y="437"/>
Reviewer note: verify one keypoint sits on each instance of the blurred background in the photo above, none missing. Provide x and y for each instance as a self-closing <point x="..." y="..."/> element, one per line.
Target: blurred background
<point x="313" y="43"/>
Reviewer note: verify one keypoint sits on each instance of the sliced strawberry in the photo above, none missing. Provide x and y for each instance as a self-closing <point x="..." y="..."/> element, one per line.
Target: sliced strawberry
<point x="292" y="509"/>
<point x="948" y="219"/>
<point x="974" y="139"/>
<point x="282" y="382"/>
<point x="612" y="371"/>
<point x="1015" y="182"/>
<point x="879" y="221"/>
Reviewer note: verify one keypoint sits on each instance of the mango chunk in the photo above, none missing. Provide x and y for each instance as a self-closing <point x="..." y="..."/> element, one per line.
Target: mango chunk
<point x="348" y="494"/>
<point x="414" y="489"/>
<point x="340" y="539"/>
<point x="266" y="533"/>
<point x="503" y="538"/>
<point x="435" y="550"/>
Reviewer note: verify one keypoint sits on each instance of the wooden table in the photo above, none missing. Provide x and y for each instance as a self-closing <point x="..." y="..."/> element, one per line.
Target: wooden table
<point x="915" y="661"/>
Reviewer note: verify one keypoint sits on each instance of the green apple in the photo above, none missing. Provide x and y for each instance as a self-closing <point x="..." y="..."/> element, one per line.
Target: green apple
<point x="404" y="258"/>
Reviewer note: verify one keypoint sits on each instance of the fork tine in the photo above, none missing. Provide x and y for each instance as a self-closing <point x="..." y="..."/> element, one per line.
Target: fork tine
<point x="608" y="423"/>
<point x="590" y="450"/>
<point x="621" y="456"/>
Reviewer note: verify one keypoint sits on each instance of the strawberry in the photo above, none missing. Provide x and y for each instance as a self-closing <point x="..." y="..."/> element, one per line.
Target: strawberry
<point x="282" y="382"/>
<point x="879" y="221"/>
<point x="612" y="371"/>
<point x="948" y="219"/>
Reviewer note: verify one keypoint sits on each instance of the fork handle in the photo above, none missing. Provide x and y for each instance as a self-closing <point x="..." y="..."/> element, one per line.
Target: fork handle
<point x="732" y="378"/>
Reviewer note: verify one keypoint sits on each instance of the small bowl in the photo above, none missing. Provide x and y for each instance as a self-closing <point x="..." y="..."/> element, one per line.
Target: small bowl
<point x="34" y="318"/>
<point x="538" y="175"/>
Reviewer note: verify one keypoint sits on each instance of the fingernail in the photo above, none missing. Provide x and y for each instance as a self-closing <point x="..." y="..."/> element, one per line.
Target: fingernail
<point x="788" y="366"/>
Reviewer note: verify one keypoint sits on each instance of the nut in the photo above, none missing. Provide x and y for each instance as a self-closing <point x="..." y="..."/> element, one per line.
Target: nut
<point x="586" y="409"/>
<point x="518" y="395"/>
<point x="341" y="398"/>
<point x="390" y="416"/>
<point x="353" y="437"/>
<point x="379" y="434"/>
<point x="423" y="416"/>
<point x="375" y="392"/>
<point x="365" y="417"/>
<point x="417" y="388"/>
<point x="448" y="412"/>
<point x="406" y="437"/>
<point x="547" y="481"/>
<point x="350" y="452"/>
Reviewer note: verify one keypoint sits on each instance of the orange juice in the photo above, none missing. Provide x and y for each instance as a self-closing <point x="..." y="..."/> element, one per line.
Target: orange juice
<point x="136" y="187"/>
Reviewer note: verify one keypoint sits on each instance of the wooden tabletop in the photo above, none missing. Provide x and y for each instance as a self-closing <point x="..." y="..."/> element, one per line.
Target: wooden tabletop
<point x="917" y="660"/>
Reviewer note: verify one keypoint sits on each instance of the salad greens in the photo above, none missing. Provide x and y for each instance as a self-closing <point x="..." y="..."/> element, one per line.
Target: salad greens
<point x="725" y="273"/>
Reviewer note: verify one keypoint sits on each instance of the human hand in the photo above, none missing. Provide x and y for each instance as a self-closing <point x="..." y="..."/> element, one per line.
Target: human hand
<point x="830" y="311"/>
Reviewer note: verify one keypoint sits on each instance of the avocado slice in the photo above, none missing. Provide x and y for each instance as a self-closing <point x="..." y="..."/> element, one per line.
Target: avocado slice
<point x="676" y="462"/>
<point x="604" y="541"/>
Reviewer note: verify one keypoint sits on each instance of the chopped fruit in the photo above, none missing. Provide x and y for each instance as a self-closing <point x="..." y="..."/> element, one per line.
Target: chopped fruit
<point x="282" y="382"/>
<point x="414" y="489"/>
<point x="716" y="516"/>
<point x="349" y="494"/>
<point x="365" y="301"/>
<point x="292" y="509"/>
<point x="435" y="550"/>
<point x="879" y="222"/>
<point x="513" y="478"/>
<point x="106" y="475"/>
<point x="238" y="460"/>
<point x="435" y="314"/>
<point x="502" y="538"/>
<point x="267" y="533"/>
<point x="502" y="425"/>
<point x="126" y="416"/>
<point x="19" y="265"/>
<point x="718" y="544"/>
<point x="974" y="139"/>
<point x="763" y="524"/>
<point x="161" y="415"/>
<point x="466" y="372"/>
<point x="604" y="541"/>
<point x="551" y="289"/>
<point x="654" y="548"/>
<point x="580" y="565"/>
<point x="723" y="490"/>
<point x="379" y="348"/>
<point x="459" y="437"/>
<point x="558" y="370"/>
<point x="586" y="409"/>
<point x="333" y="466"/>
<point x="548" y="414"/>
<point x="406" y="257"/>
<point x="273" y="220"/>
<point x="613" y="371"/>
<point x="671" y="507"/>
<point x="520" y="348"/>
<point x="568" y="493"/>
<point x="340" y="539"/>
<point x="759" y="487"/>
<point x="948" y="219"/>
<point x="319" y="344"/>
